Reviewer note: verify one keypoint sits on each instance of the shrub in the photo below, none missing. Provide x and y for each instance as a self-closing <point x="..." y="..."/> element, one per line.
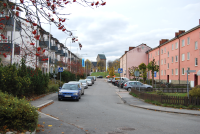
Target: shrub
<point x="16" y="114"/>
<point x="195" y="92"/>
<point x="159" y="92"/>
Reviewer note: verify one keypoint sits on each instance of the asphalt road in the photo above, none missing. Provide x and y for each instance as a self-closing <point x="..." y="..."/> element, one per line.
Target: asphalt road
<point x="101" y="111"/>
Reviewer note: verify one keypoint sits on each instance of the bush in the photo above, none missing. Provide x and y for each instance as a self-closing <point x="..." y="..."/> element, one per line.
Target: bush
<point x="16" y="114"/>
<point x="52" y="87"/>
<point x="159" y="92"/>
<point x="195" y="92"/>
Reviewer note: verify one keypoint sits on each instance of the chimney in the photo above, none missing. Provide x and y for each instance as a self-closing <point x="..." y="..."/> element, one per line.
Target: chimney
<point x="181" y="31"/>
<point x="126" y="52"/>
<point x="199" y="21"/>
<point x="163" y="41"/>
<point x="130" y="48"/>
<point x="176" y="34"/>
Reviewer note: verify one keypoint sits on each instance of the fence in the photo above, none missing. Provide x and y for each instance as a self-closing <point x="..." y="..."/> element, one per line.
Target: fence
<point x="165" y="90"/>
<point x="167" y="99"/>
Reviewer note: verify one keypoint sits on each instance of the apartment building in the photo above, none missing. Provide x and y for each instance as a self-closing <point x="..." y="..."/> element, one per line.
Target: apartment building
<point x="177" y="55"/>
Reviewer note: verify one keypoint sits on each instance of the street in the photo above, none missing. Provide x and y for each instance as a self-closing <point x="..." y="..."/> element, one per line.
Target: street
<point x="101" y="111"/>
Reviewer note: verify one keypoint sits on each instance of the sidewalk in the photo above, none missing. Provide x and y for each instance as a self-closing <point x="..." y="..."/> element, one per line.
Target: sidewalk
<point x="52" y="125"/>
<point x="135" y="102"/>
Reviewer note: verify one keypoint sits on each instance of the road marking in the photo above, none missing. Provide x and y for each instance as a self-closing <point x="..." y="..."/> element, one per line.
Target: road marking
<point x="47" y="115"/>
<point x="45" y="103"/>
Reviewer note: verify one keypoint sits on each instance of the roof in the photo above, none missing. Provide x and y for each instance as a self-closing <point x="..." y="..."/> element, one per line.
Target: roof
<point x="193" y="29"/>
<point x="94" y="64"/>
<point x="102" y="56"/>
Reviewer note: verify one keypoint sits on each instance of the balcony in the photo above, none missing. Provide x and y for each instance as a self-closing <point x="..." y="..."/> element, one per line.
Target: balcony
<point x="54" y="49"/>
<point x="63" y="55"/>
<point x="6" y="47"/>
<point x="52" y="61"/>
<point x="9" y="23"/>
<point x="60" y="52"/>
<point x="44" y="44"/>
<point x="43" y="59"/>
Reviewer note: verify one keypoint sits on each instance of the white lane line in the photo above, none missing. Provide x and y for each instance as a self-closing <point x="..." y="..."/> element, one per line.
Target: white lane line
<point x="45" y="103"/>
<point x="48" y="115"/>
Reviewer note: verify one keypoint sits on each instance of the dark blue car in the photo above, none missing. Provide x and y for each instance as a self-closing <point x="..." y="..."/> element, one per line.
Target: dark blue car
<point x="69" y="91"/>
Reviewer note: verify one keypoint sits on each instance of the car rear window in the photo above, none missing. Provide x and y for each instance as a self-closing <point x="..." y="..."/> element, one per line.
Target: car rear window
<point x="70" y="87"/>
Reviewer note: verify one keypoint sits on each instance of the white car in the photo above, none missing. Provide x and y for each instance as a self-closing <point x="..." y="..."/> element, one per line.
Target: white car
<point x="89" y="81"/>
<point x="80" y="84"/>
<point x="84" y="83"/>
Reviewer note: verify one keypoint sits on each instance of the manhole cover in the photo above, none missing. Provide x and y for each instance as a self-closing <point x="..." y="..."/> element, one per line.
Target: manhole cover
<point x="127" y="128"/>
<point x="115" y="133"/>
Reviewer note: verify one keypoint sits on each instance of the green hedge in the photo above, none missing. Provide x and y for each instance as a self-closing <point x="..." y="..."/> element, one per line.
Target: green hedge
<point x="16" y="114"/>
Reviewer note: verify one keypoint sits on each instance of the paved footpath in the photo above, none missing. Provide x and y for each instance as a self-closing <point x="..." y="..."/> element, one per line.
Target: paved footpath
<point x="52" y="124"/>
<point x="135" y="102"/>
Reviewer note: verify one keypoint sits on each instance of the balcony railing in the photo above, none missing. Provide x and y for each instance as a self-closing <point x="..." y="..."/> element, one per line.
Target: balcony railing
<point x="63" y="55"/>
<point x="43" y="58"/>
<point x="60" y="52"/>
<point x="44" y="44"/>
<point x="9" y="23"/>
<point x="6" y="47"/>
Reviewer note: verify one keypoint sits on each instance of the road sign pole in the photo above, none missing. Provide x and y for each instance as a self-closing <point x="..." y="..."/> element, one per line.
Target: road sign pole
<point x="187" y="85"/>
<point x="60" y="77"/>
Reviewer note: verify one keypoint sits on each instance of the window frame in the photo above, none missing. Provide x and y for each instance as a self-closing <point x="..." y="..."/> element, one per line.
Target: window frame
<point x="172" y="59"/>
<point x="183" y="71"/>
<point x="176" y="71"/>
<point x="172" y="71"/>
<point x="188" y="40"/>
<point x="188" y="55"/>
<point x="183" y="43"/>
<point x="176" y="58"/>
<point x="172" y="46"/>
<point x="196" y="45"/>
<point x="176" y="45"/>
<point x="168" y="54"/>
<point x="196" y="62"/>
<point x="183" y="57"/>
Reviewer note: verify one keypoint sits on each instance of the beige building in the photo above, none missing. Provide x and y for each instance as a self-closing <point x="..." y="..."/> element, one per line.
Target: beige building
<point x="101" y="57"/>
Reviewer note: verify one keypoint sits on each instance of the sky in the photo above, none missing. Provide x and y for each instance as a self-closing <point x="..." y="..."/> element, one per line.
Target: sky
<point x="112" y="28"/>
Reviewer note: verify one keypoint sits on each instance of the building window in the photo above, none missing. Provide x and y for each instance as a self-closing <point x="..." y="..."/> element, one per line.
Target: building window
<point x="196" y="45"/>
<point x="161" y="62"/>
<point x="176" y="71"/>
<point x="168" y="54"/>
<point x="167" y="65"/>
<point x="161" y="72"/>
<point x="188" y="40"/>
<point x="196" y="61"/>
<point x="172" y="71"/>
<point x="172" y="47"/>
<point x="165" y="50"/>
<point x="172" y="59"/>
<point x="155" y="53"/>
<point x="176" y="58"/>
<point x="165" y="72"/>
<point x="161" y="51"/>
<point x="151" y="55"/>
<point x="158" y="62"/>
<point x="158" y="52"/>
<point x="183" y="57"/>
<point x="183" y="71"/>
<point x="183" y="43"/>
<point x="176" y="45"/>
<point x="165" y="61"/>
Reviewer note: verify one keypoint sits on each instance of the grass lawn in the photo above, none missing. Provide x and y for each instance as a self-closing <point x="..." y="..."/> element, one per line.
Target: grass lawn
<point x="171" y="94"/>
<point x="104" y="74"/>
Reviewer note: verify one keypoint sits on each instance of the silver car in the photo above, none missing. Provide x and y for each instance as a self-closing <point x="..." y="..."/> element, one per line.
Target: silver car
<point x="89" y="81"/>
<point x="94" y="78"/>
<point x="84" y="83"/>
<point x="129" y="84"/>
<point x="80" y="84"/>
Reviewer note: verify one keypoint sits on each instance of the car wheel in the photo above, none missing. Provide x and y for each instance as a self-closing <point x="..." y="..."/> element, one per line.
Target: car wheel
<point x="83" y="93"/>
<point x="80" y="97"/>
<point x="129" y="89"/>
<point x="59" y="99"/>
<point x="77" y="99"/>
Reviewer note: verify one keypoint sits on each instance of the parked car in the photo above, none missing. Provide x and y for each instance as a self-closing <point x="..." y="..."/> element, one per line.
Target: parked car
<point x="69" y="91"/>
<point x="92" y="79"/>
<point x="80" y="84"/>
<point x="119" y="78"/>
<point x="99" y="76"/>
<point x="109" y="80"/>
<point x="108" y="76"/>
<point x="84" y="83"/>
<point x="136" y="84"/>
<point x="89" y="82"/>
<point x="121" y="83"/>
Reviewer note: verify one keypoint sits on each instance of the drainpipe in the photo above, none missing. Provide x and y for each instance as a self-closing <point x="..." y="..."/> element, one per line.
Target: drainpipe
<point x="178" y="59"/>
<point x="147" y="64"/>
<point x="159" y="64"/>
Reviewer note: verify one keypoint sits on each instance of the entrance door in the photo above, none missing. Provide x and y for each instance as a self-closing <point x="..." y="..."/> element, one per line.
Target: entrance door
<point x="195" y="80"/>
<point x="167" y="78"/>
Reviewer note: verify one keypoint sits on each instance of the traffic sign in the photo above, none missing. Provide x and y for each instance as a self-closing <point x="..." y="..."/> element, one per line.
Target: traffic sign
<point x="60" y="69"/>
<point x="155" y="73"/>
<point x="120" y="70"/>
<point x="83" y="63"/>
<point x="137" y="73"/>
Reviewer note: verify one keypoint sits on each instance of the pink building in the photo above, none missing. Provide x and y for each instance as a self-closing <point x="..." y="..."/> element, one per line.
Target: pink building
<point x="134" y="57"/>
<point x="177" y="55"/>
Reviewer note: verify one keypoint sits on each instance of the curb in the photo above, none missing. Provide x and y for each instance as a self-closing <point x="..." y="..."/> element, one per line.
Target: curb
<point x="152" y="109"/>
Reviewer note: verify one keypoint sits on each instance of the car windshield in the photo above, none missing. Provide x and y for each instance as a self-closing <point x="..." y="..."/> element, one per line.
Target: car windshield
<point x="88" y="79"/>
<point x="83" y="81"/>
<point x="70" y="87"/>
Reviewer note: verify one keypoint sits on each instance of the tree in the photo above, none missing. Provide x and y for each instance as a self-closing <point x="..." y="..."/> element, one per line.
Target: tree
<point x="101" y="65"/>
<point x="88" y="65"/>
<point x="111" y="72"/>
<point x="132" y="70"/>
<point x="143" y="68"/>
<point x="36" y="13"/>
<point x="116" y="64"/>
<point x="153" y="67"/>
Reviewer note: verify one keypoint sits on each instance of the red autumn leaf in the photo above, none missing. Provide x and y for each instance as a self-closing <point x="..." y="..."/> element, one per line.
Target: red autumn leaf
<point x="12" y="7"/>
<point x="17" y="14"/>
<point x="60" y="19"/>
<point x="7" y="17"/>
<point x="39" y="48"/>
<point x="43" y="51"/>
<point x="17" y="8"/>
<point x="92" y="4"/>
<point x="4" y="4"/>
<point x="4" y="54"/>
<point x="34" y="24"/>
<point x="74" y="0"/>
<point x="22" y="1"/>
<point x="63" y="30"/>
<point x="104" y="3"/>
<point x="67" y="2"/>
<point x="46" y="58"/>
<point x="63" y="20"/>
<point x="32" y="43"/>
<point x="97" y="3"/>
<point x="43" y="59"/>
<point x="37" y="54"/>
<point x="34" y="32"/>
